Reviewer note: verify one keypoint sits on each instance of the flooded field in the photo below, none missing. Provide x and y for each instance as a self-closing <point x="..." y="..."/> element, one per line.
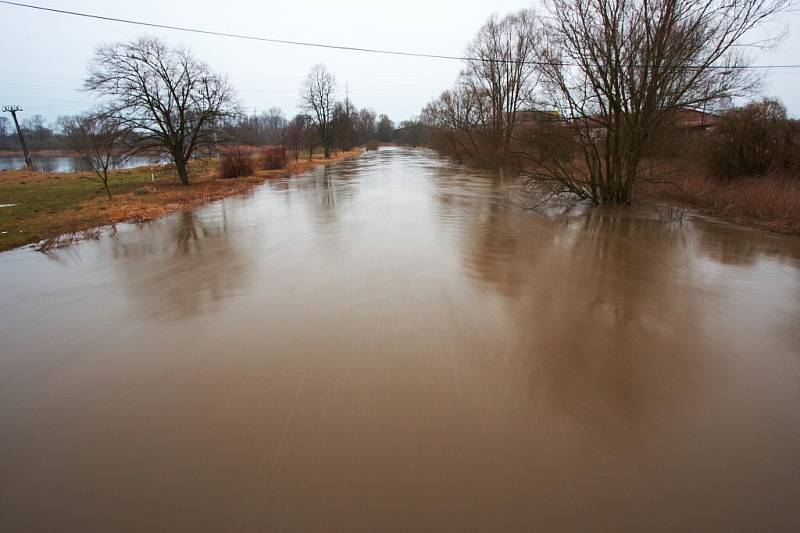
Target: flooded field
<point x="388" y="344"/>
<point x="53" y="163"/>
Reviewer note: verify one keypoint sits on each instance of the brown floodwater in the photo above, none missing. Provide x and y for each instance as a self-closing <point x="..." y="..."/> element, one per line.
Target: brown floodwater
<point x="392" y="344"/>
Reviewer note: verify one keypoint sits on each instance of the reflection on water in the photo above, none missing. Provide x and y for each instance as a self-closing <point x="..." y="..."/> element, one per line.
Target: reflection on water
<point x="389" y="344"/>
<point x="49" y="163"/>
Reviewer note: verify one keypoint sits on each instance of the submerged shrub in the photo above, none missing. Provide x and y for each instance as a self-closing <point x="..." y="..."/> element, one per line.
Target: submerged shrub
<point x="236" y="162"/>
<point x="273" y="157"/>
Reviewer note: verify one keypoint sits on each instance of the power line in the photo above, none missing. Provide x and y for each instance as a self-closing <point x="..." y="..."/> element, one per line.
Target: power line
<point x="327" y="46"/>
<point x="230" y="35"/>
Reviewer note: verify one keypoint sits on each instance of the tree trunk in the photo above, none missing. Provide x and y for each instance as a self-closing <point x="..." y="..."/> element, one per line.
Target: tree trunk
<point x="104" y="178"/>
<point x="180" y="165"/>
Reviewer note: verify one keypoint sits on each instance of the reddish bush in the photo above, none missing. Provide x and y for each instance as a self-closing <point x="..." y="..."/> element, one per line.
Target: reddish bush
<point x="236" y="162"/>
<point x="373" y="144"/>
<point x="273" y="157"/>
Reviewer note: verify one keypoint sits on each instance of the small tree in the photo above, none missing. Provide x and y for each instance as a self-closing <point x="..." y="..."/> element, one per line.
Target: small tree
<point x="749" y="140"/>
<point x="317" y="97"/>
<point x="172" y="101"/>
<point x="101" y="141"/>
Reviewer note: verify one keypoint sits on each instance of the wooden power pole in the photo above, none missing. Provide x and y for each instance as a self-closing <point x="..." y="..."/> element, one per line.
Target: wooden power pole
<point x="13" y="110"/>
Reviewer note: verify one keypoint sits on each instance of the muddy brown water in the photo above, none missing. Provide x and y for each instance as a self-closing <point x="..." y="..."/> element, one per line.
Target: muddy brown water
<point x="389" y="345"/>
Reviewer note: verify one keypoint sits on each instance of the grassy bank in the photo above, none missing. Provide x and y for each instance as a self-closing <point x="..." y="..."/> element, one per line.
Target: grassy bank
<point x="770" y="202"/>
<point x="47" y="205"/>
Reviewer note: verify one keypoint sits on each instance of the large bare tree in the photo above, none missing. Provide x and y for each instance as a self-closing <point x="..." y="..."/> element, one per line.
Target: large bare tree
<point x="617" y="70"/>
<point x="172" y="101"/>
<point x="317" y="96"/>
<point x="101" y="141"/>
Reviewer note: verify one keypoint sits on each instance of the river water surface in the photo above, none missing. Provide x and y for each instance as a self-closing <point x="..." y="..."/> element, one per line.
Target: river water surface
<point x="388" y="344"/>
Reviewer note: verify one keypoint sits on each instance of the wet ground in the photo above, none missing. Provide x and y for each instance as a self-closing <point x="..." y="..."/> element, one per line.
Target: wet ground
<point x="389" y="344"/>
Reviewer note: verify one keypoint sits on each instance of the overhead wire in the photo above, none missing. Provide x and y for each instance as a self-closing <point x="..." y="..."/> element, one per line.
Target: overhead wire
<point x="273" y="40"/>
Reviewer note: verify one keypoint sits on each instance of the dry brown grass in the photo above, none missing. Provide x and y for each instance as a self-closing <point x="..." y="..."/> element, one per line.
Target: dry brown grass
<point x="769" y="202"/>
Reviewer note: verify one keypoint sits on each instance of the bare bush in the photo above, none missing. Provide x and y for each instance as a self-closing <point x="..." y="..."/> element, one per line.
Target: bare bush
<point x="373" y="144"/>
<point x="273" y="157"/>
<point x="236" y="162"/>
<point x="751" y="140"/>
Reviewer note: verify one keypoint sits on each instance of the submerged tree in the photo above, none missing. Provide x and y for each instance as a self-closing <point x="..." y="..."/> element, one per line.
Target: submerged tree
<point x="617" y="70"/>
<point x="172" y="101"/>
<point x="317" y="96"/>
<point x="101" y="141"/>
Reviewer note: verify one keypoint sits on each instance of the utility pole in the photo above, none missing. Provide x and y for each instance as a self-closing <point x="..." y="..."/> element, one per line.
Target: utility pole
<point x="13" y="110"/>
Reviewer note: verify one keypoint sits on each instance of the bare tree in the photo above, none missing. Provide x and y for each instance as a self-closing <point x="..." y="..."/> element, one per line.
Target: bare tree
<point x="101" y="141"/>
<point x="412" y="133"/>
<point x="365" y="126"/>
<point x="385" y="129"/>
<point x="343" y="124"/>
<point x="317" y="97"/>
<point x="296" y="134"/>
<point x="456" y="120"/>
<point x="618" y="69"/>
<point x="36" y="129"/>
<point x="172" y="101"/>
<point x="501" y="75"/>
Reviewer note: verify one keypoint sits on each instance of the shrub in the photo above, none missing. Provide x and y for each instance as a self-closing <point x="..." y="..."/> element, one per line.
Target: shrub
<point x="236" y="162"/>
<point x="750" y="140"/>
<point x="273" y="157"/>
<point x="373" y="144"/>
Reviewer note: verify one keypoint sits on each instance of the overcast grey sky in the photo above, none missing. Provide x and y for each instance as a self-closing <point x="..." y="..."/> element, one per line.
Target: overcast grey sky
<point x="45" y="55"/>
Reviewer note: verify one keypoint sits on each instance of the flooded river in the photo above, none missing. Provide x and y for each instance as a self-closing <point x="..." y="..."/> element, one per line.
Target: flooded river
<point x="388" y="344"/>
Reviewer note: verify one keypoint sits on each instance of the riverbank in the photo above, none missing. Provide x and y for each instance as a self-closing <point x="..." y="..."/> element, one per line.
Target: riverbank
<point x="44" y="206"/>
